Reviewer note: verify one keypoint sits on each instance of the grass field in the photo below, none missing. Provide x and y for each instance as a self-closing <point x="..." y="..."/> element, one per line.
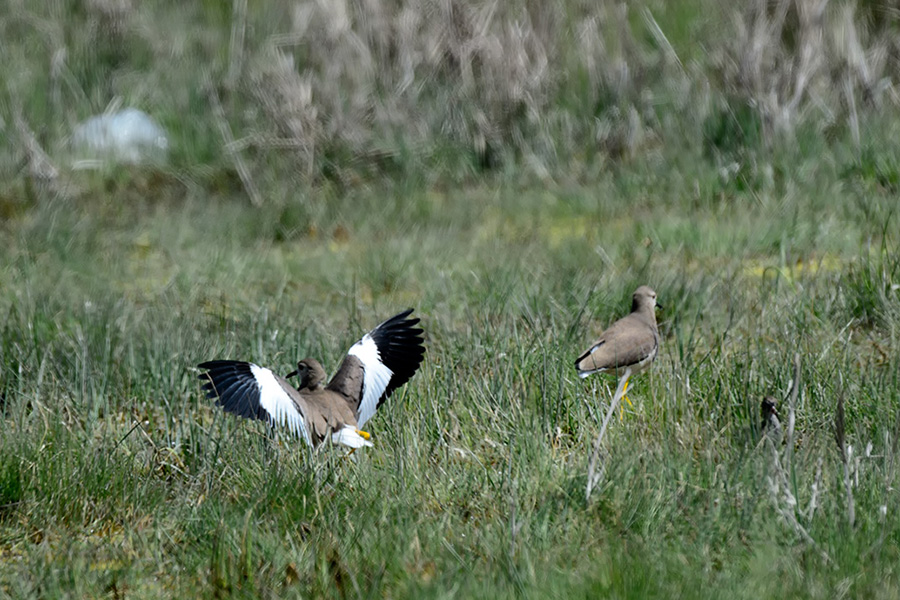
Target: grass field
<point x="516" y="244"/>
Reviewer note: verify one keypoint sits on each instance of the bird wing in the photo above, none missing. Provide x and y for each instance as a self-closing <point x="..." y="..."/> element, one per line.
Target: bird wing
<point x="627" y="342"/>
<point x="383" y="360"/>
<point x="254" y="392"/>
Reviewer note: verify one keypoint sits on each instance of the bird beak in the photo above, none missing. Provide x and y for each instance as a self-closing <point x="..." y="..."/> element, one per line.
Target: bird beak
<point x="659" y="306"/>
<point x="292" y="374"/>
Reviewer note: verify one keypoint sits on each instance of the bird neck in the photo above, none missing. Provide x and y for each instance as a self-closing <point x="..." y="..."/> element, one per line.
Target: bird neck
<point x="312" y="386"/>
<point x="645" y="313"/>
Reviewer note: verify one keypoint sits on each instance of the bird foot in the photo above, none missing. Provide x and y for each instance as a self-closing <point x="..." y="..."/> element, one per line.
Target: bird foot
<point x="622" y="407"/>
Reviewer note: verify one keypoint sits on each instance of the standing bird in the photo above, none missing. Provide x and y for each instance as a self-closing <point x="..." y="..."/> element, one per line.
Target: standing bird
<point x="630" y="344"/>
<point x="383" y="360"/>
<point x="771" y="426"/>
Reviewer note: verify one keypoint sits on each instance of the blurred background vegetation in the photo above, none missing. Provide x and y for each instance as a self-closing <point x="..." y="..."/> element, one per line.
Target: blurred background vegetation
<point x="346" y="94"/>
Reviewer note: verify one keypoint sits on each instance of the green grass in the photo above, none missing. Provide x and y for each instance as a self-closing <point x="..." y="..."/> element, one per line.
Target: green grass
<point x="515" y="198"/>
<point x="120" y="478"/>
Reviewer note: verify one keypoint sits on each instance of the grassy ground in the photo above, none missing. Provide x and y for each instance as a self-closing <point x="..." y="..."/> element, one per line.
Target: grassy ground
<point x="516" y="244"/>
<point x="118" y="476"/>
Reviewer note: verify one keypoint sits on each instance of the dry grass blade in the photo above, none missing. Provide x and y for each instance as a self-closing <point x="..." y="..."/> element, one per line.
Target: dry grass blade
<point x="840" y="438"/>
<point x="236" y="46"/>
<point x="780" y="485"/>
<point x="786" y="503"/>
<point x="814" y="495"/>
<point x="595" y="469"/>
<point x="660" y="37"/>
<point x="792" y="405"/>
<point x="229" y="142"/>
<point x="39" y="164"/>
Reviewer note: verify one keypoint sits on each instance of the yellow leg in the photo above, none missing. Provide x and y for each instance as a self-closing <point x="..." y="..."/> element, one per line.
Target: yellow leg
<point x="625" y="396"/>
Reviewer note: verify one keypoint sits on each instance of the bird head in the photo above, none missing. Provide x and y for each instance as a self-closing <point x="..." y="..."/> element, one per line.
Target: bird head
<point x="768" y="408"/>
<point x="644" y="299"/>
<point x="310" y="373"/>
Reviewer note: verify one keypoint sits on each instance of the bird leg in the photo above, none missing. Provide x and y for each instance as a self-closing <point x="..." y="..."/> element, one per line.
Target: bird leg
<point x="625" y="396"/>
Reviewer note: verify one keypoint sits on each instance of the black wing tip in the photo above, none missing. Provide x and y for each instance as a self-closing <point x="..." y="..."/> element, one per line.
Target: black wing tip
<point x="218" y="363"/>
<point x="400" y="331"/>
<point x="234" y="388"/>
<point x="402" y="348"/>
<point x="216" y="366"/>
<point x="400" y="319"/>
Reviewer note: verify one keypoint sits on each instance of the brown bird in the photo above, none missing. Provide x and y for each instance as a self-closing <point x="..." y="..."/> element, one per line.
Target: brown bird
<point x="629" y="345"/>
<point x="383" y="360"/>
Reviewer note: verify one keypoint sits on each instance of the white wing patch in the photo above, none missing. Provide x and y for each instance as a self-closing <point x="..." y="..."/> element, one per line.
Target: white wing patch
<point x="349" y="436"/>
<point x="275" y="401"/>
<point x="376" y="376"/>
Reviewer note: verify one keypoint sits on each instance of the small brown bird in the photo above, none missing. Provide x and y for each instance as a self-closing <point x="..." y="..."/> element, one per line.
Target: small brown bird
<point x="771" y="426"/>
<point x="629" y="345"/>
<point x="383" y="360"/>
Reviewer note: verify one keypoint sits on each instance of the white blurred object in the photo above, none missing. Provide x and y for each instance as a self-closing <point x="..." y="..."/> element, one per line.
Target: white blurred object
<point x="126" y="136"/>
